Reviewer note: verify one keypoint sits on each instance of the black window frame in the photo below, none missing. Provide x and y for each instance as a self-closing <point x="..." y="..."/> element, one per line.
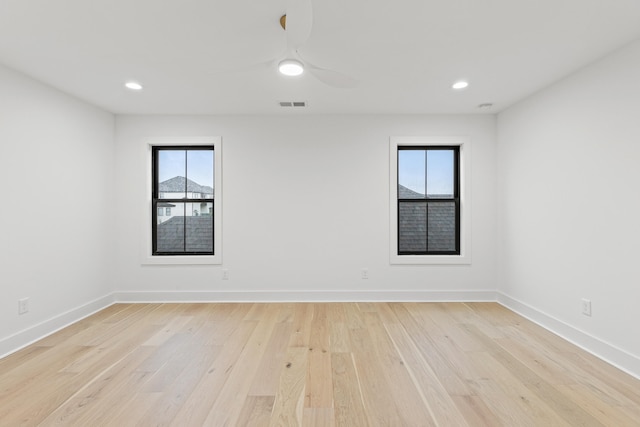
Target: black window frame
<point x="155" y="199"/>
<point x="432" y="200"/>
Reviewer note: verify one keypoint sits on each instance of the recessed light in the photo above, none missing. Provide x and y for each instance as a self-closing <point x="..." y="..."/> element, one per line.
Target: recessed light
<point x="460" y="85"/>
<point x="291" y="67"/>
<point x="133" y="85"/>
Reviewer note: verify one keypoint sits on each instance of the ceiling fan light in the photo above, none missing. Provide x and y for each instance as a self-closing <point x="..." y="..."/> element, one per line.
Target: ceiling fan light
<point x="290" y="67"/>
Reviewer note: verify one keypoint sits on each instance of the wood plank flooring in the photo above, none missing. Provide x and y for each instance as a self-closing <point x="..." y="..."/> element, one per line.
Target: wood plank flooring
<point x="333" y="364"/>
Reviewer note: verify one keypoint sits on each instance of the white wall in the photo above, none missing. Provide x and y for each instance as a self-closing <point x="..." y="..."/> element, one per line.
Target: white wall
<point x="305" y="209"/>
<point x="569" y="206"/>
<point x="56" y="153"/>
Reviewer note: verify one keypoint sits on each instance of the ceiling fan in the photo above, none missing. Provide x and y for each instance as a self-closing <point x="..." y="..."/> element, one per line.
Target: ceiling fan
<point x="297" y="23"/>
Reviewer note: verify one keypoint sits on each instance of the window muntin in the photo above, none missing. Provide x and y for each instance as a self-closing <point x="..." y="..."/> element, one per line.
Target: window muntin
<point x="183" y="183"/>
<point x="428" y="201"/>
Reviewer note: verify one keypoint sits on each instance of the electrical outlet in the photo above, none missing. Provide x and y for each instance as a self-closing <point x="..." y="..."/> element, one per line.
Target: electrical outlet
<point x="225" y="274"/>
<point x="586" y="307"/>
<point x="23" y="305"/>
<point x="365" y="273"/>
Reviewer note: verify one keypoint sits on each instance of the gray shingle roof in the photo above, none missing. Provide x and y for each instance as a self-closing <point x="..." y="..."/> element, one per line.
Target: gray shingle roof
<point x="199" y="234"/>
<point x="425" y="226"/>
<point x="177" y="185"/>
<point x="405" y="193"/>
<point x="413" y="227"/>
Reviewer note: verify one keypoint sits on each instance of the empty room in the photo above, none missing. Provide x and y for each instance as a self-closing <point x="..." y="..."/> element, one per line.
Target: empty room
<point x="320" y="213"/>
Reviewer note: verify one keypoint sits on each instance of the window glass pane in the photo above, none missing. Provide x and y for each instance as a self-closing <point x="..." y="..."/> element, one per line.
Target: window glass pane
<point x="200" y="173"/>
<point x="199" y="229"/>
<point x="411" y="174"/>
<point x="170" y="231"/>
<point x="197" y="236"/>
<point x="442" y="226"/>
<point x="413" y="227"/>
<point x="171" y="174"/>
<point x="440" y="173"/>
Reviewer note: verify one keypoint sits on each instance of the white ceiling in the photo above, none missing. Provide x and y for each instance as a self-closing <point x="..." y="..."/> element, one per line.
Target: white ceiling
<point x="200" y="56"/>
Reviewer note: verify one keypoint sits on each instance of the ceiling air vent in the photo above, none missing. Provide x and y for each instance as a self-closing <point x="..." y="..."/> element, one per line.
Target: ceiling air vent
<point x="293" y="104"/>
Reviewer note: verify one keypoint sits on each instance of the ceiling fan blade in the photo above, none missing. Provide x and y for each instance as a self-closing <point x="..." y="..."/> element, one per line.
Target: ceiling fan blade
<point x="331" y="77"/>
<point x="255" y="66"/>
<point x="299" y="21"/>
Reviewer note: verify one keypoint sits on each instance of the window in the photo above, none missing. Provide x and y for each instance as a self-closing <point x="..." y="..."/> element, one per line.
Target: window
<point x="179" y="174"/>
<point x="428" y="211"/>
<point x="428" y="200"/>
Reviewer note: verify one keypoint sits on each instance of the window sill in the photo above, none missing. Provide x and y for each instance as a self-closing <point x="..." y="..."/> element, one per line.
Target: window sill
<point x="430" y="259"/>
<point x="182" y="260"/>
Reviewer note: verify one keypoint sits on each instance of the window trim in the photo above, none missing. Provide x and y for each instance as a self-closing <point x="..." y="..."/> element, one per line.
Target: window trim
<point x="147" y="244"/>
<point x="465" y="206"/>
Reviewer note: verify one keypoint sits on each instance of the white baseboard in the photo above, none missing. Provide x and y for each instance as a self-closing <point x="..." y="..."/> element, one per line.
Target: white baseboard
<point x="611" y="354"/>
<point x="304" y="296"/>
<point x="28" y="336"/>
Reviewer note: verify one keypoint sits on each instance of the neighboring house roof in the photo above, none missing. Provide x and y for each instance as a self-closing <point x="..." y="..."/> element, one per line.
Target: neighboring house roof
<point x="177" y="185"/>
<point x="419" y="220"/>
<point x="199" y="233"/>
<point x="405" y="193"/>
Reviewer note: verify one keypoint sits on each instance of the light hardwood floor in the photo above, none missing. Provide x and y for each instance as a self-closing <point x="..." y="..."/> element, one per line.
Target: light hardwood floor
<point x="334" y="364"/>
